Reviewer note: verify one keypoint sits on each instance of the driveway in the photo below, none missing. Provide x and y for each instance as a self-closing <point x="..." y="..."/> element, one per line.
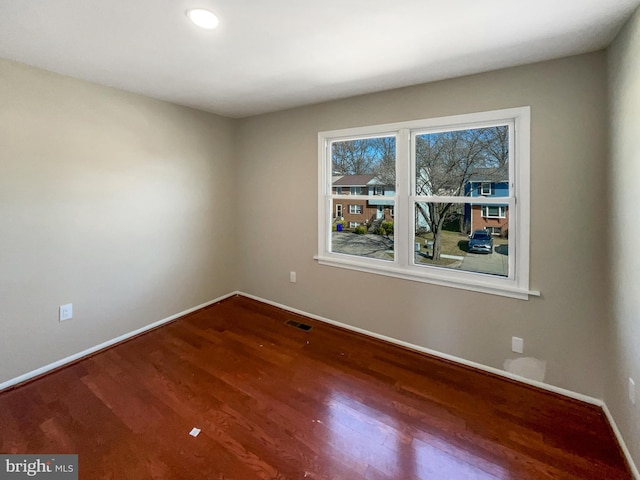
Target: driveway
<point x="494" y="263"/>
<point x="373" y="246"/>
<point x="381" y="246"/>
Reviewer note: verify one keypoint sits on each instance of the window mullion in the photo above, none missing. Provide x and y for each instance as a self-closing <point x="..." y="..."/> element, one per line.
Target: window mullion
<point x="480" y="206"/>
<point x="404" y="228"/>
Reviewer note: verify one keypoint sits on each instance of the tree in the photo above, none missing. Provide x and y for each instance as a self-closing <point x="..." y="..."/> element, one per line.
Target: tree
<point x="385" y="151"/>
<point x="376" y="156"/>
<point x="353" y="157"/>
<point x="446" y="163"/>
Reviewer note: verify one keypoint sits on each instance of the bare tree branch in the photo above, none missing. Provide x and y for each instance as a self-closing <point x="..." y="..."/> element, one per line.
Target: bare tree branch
<point x="446" y="163"/>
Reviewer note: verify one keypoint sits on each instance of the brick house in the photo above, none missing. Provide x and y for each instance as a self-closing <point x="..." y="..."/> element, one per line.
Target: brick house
<point x="493" y="218"/>
<point x="374" y="209"/>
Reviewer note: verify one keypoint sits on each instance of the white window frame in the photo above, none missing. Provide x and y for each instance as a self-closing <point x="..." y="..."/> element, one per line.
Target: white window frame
<point x="516" y="285"/>
<point x="359" y="208"/>
<point x="483" y="191"/>
<point x="502" y="211"/>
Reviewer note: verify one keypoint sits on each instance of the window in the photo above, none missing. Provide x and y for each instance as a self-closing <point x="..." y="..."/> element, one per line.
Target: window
<point x="354" y="224"/>
<point x="338" y="190"/>
<point x="356" y="190"/>
<point x="494" y="211"/>
<point x="429" y="172"/>
<point x="355" y="209"/>
<point x="494" y="230"/>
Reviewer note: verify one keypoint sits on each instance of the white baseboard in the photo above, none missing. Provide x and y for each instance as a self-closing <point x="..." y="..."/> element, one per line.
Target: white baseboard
<point x="72" y="358"/>
<point x="552" y="388"/>
<point x="462" y="361"/>
<point x="435" y="353"/>
<point x="621" y="442"/>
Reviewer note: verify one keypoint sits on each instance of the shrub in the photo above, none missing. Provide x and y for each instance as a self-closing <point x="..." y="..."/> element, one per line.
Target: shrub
<point x="387" y="227"/>
<point x="334" y="227"/>
<point x="360" y="230"/>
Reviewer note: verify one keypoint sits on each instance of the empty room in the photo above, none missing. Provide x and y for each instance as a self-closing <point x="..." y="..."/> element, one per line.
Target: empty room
<point x="319" y="240"/>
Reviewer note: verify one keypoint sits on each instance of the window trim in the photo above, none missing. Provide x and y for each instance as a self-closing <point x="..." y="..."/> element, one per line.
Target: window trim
<point x="501" y="209"/>
<point x="360" y="209"/>
<point x="516" y="285"/>
<point x="482" y="190"/>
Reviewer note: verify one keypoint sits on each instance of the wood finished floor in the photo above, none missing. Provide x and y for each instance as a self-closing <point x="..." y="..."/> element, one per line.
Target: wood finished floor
<point x="275" y="402"/>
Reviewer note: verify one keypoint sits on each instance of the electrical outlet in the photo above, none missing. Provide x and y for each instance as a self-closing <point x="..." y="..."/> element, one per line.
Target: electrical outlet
<point x="292" y="277"/>
<point x="66" y="312"/>
<point x="632" y="391"/>
<point x="517" y="345"/>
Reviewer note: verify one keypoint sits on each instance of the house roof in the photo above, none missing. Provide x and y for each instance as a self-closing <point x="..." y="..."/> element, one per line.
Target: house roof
<point x="354" y="180"/>
<point x="490" y="175"/>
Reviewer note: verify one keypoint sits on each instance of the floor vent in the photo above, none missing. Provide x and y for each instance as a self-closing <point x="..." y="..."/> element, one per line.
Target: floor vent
<point x="301" y="326"/>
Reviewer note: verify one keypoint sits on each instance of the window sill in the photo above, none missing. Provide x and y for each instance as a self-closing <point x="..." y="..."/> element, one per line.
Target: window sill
<point x="498" y="286"/>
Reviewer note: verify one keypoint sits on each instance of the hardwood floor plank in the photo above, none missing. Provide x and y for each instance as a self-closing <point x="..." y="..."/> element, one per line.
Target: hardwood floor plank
<point x="276" y="402"/>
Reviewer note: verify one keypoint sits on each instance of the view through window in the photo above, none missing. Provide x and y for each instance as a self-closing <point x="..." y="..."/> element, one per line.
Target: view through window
<point x="432" y="199"/>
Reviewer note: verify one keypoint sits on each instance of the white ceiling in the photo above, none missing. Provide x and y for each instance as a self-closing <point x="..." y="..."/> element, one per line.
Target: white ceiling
<point x="276" y="54"/>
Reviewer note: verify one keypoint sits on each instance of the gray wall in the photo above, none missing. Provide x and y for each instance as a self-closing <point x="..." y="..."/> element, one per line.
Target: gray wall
<point x="134" y="210"/>
<point x="624" y="229"/>
<point x="118" y="203"/>
<point x="565" y="327"/>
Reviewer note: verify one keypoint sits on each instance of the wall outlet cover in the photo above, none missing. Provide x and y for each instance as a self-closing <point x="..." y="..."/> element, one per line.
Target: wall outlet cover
<point x="66" y="312"/>
<point x="517" y="345"/>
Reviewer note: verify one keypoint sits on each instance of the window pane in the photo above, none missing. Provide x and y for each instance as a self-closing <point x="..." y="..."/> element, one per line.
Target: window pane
<point x="356" y="209"/>
<point x="491" y="211"/>
<point x="365" y="234"/>
<point x="458" y="236"/>
<point x="364" y="166"/>
<point x="469" y="163"/>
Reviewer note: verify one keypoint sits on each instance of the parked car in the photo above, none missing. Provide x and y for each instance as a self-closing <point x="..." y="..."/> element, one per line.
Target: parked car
<point x="481" y="242"/>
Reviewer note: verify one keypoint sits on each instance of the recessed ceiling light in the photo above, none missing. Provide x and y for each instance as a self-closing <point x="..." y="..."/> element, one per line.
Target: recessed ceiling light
<point x="203" y="18"/>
